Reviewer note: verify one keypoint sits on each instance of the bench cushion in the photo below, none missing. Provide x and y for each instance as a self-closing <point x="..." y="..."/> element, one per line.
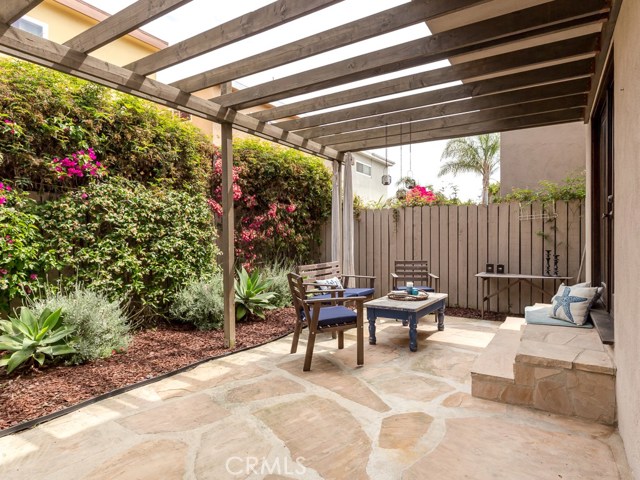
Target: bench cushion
<point x="337" y="315"/>
<point x="541" y="315"/>
<point x="358" y="292"/>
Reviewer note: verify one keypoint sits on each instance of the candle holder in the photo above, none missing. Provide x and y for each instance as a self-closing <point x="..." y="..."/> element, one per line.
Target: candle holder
<point x="547" y="270"/>
<point x="499" y="268"/>
<point x="489" y="268"/>
<point x="555" y="265"/>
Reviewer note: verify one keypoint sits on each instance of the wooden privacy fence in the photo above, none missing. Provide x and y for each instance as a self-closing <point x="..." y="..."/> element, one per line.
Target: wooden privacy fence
<point x="458" y="241"/>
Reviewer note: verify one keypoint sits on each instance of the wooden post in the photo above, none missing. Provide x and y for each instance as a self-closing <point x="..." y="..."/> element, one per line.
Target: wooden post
<point x="227" y="236"/>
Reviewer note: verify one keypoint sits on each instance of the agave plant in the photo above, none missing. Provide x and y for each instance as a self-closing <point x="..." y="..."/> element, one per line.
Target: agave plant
<point x="252" y="294"/>
<point x="30" y="337"/>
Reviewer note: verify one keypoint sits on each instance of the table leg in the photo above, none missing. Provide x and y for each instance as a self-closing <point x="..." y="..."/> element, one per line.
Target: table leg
<point x="413" y="332"/>
<point x="371" y="317"/>
<point x="483" y="300"/>
<point x="440" y="316"/>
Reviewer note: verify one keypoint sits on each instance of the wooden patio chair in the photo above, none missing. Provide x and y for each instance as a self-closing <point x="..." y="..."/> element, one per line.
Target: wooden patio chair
<point x="313" y="273"/>
<point x="416" y="271"/>
<point x="325" y="315"/>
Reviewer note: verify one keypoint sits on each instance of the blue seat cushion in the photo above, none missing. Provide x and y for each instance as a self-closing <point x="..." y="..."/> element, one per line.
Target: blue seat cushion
<point x="337" y="315"/>
<point x="422" y="288"/>
<point x="358" y="292"/>
<point x="541" y="315"/>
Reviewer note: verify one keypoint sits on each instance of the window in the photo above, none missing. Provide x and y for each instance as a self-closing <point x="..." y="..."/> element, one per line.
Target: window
<point x="32" y="26"/>
<point x="363" y="169"/>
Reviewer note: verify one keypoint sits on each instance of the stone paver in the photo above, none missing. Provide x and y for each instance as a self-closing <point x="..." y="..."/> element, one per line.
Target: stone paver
<point x="258" y="415"/>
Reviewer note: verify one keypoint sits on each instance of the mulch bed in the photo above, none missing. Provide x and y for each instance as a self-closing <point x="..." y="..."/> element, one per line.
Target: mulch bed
<point x="35" y="393"/>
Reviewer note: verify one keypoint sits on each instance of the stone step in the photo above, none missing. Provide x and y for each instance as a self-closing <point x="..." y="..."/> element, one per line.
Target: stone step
<point x="497" y="360"/>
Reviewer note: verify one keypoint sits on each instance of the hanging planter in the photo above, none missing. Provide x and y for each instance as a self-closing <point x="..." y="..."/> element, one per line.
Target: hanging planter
<point x="386" y="179"/>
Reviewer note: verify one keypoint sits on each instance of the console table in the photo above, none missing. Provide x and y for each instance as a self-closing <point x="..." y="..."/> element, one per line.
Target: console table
<point x="516" y="279"/>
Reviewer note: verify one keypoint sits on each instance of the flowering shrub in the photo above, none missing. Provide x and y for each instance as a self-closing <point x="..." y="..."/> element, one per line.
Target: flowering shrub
<point x="419" y="196"/>
<point x="281" y="198"/>
<point x="131" y="242"/>
<point x="79" y="164"/>
<point x="22" y="254"/>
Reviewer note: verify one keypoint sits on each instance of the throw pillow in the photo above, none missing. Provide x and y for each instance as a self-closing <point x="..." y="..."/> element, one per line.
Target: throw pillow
<point x="573" y="303"/>
<point x="331" y="282"/>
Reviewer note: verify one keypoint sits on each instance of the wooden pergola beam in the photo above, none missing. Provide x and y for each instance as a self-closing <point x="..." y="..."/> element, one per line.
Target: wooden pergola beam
<point x="462" y="71"/>
<point x="32" y="48"/>
<point x="245" y="26"/>
<point x="601" y="58"/>
<point x="490" y="126"/>
<point x="502" y="30"/>
<point x="486" y="102"/>
<point x="521" y="110"/>
<point x="380" y="23"/>
<point x="12" y="10"/>
<point x="119" y="24"/>
<point x="536" y="76"/>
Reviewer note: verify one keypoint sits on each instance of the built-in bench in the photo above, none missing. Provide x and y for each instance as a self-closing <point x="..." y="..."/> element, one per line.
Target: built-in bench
<point x="563" y="370"/>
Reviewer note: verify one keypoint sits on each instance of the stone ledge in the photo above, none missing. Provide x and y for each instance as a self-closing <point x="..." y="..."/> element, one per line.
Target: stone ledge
<point x="498" y="358"/>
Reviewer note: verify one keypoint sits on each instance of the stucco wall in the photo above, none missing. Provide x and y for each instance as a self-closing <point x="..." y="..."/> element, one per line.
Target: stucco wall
<point x="543" y="153"/>
<point x="627" y="227"/>
<point x="369" y="188"/>
<point x="64" y="23"/>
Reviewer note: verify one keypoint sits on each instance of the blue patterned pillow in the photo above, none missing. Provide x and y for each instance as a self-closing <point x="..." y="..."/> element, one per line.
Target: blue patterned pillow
<point x="572" y="303"/>
<point x="333" y="282"/>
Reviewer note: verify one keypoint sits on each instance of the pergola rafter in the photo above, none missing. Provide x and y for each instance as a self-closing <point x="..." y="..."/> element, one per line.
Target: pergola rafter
<point x="125" y="21"/>
<point x="448" y="121"/>
<point x="246" y="26"/>
<point x="12" y="10"/>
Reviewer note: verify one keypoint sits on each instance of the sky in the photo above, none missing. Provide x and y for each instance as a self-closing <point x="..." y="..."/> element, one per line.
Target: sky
<point x="200" y="15"/>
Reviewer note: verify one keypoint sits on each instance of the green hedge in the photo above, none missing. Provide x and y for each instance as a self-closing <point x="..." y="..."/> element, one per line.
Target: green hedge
<point x="56" y="114"/>
<point x="130" y="242"/>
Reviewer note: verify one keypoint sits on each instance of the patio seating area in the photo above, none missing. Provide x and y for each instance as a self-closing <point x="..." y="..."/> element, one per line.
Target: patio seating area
<point x="256" y="414"/>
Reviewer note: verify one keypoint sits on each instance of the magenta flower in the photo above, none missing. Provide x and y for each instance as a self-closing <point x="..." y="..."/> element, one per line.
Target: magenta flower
<point x="3" y="271"/>
<point x="33" y="276"/>
<point x="3" y="200"/>
<point x="84" y="196"/>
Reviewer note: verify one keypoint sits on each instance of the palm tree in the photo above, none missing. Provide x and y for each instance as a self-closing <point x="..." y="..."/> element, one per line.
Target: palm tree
<point x="479" y="155"/>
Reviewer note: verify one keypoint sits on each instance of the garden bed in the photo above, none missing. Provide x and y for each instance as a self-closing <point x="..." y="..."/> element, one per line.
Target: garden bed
<point x="153" y="352"/>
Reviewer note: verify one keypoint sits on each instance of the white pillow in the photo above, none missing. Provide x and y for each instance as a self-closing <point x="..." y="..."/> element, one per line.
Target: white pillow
<point x="334" y="282"/>
<point x="573" y="303"/>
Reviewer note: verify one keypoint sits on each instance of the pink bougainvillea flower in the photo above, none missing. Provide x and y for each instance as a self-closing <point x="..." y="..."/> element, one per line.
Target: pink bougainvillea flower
<point x="291" y="208"/>
<point x="3" y="200"/>
<point x="33" y="276"/>
<point x="84" y="196"/>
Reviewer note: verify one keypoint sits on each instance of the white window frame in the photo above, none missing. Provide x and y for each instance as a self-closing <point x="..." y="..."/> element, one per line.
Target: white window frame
<point x="44" y="26"/>
<point x="358" y="162"/>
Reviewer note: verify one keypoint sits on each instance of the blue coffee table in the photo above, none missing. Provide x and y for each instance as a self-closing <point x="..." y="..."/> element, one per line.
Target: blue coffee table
<point x="407" y="311"/>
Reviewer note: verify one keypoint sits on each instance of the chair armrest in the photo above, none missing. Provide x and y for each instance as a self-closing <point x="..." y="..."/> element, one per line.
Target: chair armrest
<point x="435" y="277"/>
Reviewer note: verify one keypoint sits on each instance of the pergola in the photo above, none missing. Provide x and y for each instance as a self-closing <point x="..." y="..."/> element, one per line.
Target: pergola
<point x="518" y="64"/>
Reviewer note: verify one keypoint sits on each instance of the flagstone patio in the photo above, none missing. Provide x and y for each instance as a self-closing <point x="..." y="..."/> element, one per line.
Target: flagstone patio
<point x="258" y="415"/>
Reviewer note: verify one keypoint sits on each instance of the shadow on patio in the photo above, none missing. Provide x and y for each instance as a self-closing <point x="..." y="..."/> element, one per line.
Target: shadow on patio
<point x="258" y="415"/>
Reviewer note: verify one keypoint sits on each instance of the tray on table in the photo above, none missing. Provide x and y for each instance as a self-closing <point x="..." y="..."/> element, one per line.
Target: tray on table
<point x="402" y="295"/>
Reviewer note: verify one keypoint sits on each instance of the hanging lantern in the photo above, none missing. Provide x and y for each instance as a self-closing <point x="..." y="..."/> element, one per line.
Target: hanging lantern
<point x="386" y="178"/>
